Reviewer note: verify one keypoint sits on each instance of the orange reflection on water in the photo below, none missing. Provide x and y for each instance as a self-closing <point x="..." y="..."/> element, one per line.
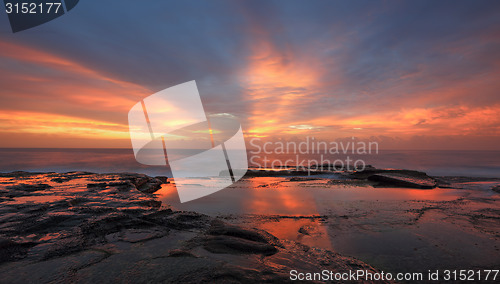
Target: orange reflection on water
<point x="168" y="192"/>
<point x="272" y="196"/>
<point x="278" y="196"/>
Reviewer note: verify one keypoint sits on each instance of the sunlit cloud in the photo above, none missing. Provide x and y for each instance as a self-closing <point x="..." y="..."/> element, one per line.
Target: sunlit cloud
<point x="305" y="127"/>
<point x="46" y="123"/>
<point x="38" y="78"/>
<point x="325" y="69"/>
<point x="279" y="85"/>
<point x="47" y="94"/>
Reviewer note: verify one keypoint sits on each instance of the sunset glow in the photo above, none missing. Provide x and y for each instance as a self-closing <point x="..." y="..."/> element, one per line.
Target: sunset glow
<point x="332" y="85"/>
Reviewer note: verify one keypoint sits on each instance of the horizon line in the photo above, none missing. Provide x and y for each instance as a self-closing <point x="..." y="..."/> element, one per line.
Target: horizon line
<point x="110" y="148"/>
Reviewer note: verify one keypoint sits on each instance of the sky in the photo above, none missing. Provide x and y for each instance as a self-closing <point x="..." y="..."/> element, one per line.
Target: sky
<point x="409" y="75"/>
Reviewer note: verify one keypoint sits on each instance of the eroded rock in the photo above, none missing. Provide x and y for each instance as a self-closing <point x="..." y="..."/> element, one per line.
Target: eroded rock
<point x="30" y="187"/>
<point x="403" y="180"/>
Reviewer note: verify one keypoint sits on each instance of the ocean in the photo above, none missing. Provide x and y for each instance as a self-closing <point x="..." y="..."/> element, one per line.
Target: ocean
<point x="437" y="163"/>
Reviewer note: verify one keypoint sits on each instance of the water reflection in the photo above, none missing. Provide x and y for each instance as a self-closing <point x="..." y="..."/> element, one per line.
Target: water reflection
<point x="296" y="210"/>
<point x="278" y="196"/>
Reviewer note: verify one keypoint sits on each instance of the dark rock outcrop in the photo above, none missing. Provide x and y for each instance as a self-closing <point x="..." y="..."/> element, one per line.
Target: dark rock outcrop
<point x="496" y="189"/>
<point x="30" y="187"/>
<point x="225" y="238"/>
<point x="403" y="180"/>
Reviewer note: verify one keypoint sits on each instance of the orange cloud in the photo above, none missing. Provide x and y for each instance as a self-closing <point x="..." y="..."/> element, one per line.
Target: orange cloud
<point x="441" y="121"/>
<point x="47" y="123"/>
<point x="44" y="93"/>
<point x="278" y="82"/>
<point x="286" y="92"/>
<point x="66" y="80"/>
<point x="38" y="57"/>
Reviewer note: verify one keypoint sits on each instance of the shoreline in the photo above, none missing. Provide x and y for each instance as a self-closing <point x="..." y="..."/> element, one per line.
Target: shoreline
<point x="108" y="230"/>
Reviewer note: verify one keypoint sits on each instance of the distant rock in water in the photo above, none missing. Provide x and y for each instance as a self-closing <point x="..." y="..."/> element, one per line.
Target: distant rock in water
<point x="403" y="180"/>
<point x="496" y="189"/>
<point x="396" y="178"/>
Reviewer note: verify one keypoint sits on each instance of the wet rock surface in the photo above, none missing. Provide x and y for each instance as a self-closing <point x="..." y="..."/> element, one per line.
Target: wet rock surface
<point x="52" y="215"/>
<point x="84" y="227"/>
<point x="30" y="187"/>
<point x="225" y="238"/>
<point x="394" y="228"/>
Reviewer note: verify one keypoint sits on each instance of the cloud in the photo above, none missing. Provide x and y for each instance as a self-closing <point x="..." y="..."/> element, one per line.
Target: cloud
<point x="395" y="69"/>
